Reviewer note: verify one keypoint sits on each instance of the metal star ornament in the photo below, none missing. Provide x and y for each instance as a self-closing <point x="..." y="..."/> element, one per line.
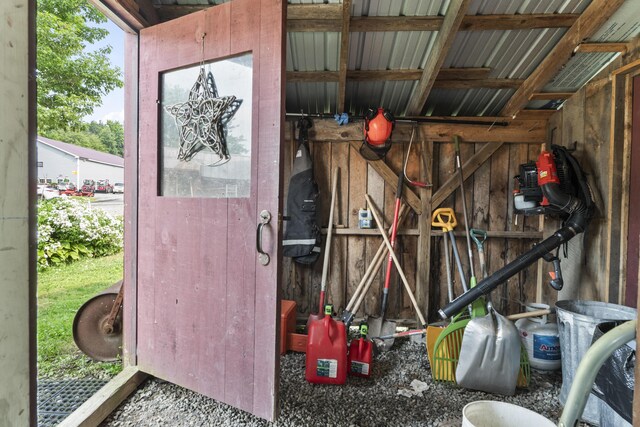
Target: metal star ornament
<point x="202" y="119"/>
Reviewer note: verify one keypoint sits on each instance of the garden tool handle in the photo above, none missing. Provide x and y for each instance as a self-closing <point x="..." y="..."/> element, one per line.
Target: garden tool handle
<point x="478" y="236"/>
<point x="534" y="313"/>
<point x="444" y="218"/>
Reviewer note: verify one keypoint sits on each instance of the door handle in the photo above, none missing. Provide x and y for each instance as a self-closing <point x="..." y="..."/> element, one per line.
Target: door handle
<point x="265" y="218"/>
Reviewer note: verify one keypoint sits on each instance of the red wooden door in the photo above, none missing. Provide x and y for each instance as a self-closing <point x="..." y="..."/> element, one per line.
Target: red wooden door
<point x="207" y="307"/>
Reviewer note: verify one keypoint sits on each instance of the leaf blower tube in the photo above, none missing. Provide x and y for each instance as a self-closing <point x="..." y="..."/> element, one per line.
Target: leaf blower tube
<point x="579" y="214"/>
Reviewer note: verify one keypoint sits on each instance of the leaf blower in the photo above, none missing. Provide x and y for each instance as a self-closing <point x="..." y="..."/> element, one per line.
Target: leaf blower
<point x="555" y="185"/>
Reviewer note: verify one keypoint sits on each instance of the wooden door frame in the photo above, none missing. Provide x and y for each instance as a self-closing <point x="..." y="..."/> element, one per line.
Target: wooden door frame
<point x="633" y="226"/>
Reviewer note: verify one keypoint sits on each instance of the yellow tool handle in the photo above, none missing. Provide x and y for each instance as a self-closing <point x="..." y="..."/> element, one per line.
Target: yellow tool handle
<point x="445" y="218"/>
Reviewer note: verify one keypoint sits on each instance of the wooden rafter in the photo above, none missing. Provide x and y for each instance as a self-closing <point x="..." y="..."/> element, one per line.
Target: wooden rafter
<point x="344" y="55"/>
<point x="444" y="40"/>
<point x="328" y="18"/>
<point x="479" y="83"/>
<point x="543" y="96"/>
<point x="601" y="47"/>
<point x="331" y="11"/>
<point x="518" y="22"/>
<point x="594" y="16"/>
<point x="391" y="75"/>
<point x="128" y="14"/>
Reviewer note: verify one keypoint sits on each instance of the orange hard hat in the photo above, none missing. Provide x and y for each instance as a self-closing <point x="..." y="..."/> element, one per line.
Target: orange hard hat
<point x="378" y="125"/>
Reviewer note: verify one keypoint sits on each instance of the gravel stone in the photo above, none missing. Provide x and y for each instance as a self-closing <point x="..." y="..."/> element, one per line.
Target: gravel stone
<point x="361" y="402"/>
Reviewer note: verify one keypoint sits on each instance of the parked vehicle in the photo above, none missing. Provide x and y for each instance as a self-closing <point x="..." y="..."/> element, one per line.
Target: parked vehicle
<point x="103" y="186"/>
<point x="88" y="188"/>
<point x="118" y="187"/>
<point x="46" y="192"/>
<point x="67" y="189"/>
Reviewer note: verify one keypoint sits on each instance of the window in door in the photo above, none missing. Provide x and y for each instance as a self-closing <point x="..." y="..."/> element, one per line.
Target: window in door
<point x="205" y="129"/>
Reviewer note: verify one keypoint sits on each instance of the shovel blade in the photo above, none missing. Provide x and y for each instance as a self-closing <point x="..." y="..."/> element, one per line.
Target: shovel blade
<point x="378" y="327"/>
<point x="489" y="355"/>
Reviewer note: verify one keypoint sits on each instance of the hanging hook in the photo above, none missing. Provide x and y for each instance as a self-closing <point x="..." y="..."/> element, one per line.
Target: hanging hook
<point x="202" y="48"/>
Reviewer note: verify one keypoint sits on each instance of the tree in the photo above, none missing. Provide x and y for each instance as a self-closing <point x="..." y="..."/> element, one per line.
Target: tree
<point x="107" y="137"/>
<point x="80" y="138"/>
<point x="71" y="80"/>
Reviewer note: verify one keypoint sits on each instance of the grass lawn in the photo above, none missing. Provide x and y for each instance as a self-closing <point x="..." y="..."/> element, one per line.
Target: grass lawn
<point x="61" y="292"/>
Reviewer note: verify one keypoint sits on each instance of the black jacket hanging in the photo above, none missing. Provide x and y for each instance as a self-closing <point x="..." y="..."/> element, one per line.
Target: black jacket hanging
<point x="302" y="234"/>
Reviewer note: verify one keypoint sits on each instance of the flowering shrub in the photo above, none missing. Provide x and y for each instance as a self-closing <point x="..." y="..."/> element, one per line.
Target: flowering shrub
<point x="70" y="229"/>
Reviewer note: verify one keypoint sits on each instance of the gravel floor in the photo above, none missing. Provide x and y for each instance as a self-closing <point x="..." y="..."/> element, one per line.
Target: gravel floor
<point x="361" y="402"/>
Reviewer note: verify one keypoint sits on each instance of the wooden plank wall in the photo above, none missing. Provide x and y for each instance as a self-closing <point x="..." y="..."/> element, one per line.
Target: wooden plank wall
<point x="488" y="202"/>
<point x="597" y="260"/>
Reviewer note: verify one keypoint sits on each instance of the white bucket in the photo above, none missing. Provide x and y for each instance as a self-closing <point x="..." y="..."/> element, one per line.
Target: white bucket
<point x="491" y="413"/>
<point x="541" y="339"/>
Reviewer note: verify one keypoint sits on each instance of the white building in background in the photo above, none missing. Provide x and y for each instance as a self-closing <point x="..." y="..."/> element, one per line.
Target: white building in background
<point x="59" y="160"/>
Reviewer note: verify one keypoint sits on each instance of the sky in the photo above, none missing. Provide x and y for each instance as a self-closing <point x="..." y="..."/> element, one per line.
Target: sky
<point x="113" y="103"/>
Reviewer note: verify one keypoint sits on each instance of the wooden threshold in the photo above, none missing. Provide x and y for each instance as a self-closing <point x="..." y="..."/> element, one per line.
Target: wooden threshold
<point x="100" y="405"/>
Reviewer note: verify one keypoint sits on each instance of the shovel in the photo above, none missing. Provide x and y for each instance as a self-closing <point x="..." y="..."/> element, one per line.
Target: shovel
<point x="377" y="325"/>
<point x="492" y="358"/>
<point x="394" y="258"/>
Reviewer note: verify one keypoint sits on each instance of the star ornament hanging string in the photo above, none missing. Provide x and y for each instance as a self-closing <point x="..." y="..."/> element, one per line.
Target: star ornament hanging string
<point x="202" y="119"/>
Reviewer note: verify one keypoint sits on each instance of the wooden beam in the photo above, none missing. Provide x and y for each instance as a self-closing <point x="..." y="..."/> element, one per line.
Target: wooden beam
<point x="328" y="18"/>
<point x="518" y="21"/>
<point x="312" y="76"/>
<point x="479" y="83"/>
<point x="391" y="178"/>
<point x="325" y="11"/>
<point x="594" y="16"/>
<point x="433" y="23"/>
<point x="119" y="15"/>
<point x="464" y="73"/>
<point x="456" y="74"/>
<point x="601" y="47"/>
<point x="314" y="26"/>
<point x="444" y="40"/>
<point x="100" y="405"/>
<point x="516" y="131"/>
<point x="536" y="96"/>
<point x="369" y="24"/>
<point x="468" y="168"/>
<point x="128" y="14"/>
<point x="424" y="226"/>
<point x="343" y="61"/>
<point x="500" y="234"/>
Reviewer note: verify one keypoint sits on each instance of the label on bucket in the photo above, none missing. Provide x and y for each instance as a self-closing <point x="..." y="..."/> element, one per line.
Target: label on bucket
<point x="359" y="368"/>
<point x="327" y="368"/>
<point x="546" y="347"/>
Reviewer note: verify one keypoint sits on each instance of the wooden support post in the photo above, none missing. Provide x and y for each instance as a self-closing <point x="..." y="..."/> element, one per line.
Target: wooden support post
<point x="424" y="226"/>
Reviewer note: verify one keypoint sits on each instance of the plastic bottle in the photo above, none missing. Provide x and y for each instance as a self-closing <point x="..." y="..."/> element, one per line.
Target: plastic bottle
<point x="326" y="358"/>
<point x="360" y="354"/>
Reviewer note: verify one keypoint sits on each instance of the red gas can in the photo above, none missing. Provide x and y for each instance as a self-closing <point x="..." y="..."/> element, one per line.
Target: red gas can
<point x="326" y="361"/>
<point x="361" y="354"/>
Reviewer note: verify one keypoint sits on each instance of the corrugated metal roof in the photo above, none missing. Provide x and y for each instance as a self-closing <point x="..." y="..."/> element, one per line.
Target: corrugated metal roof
<point x="510" y="54"/>
<point x="87" y="153"/>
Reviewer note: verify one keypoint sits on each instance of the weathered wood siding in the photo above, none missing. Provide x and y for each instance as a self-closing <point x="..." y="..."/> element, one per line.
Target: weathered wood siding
<point x="596" y="267"/>
<point x="489" y="203"/>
